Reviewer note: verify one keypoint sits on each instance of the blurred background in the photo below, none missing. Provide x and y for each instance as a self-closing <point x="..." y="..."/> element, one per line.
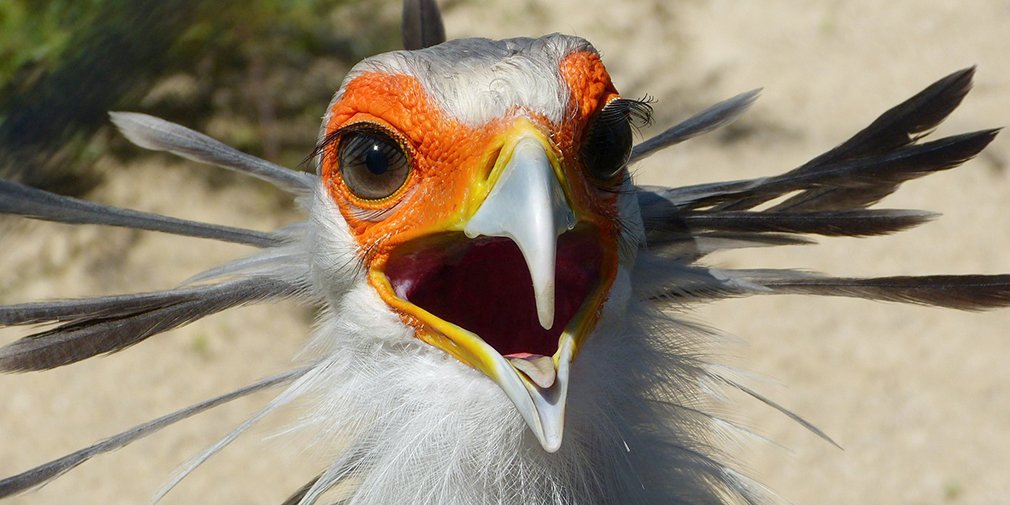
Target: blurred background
<point x="250" y="73"/>
<point x="916" y="397"/>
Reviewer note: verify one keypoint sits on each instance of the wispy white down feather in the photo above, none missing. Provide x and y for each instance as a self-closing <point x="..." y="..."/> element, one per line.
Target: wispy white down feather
<point x="402" y="422"/>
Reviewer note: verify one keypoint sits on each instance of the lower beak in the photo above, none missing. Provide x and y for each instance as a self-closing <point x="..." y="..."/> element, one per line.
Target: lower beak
<point x="543" y="408"/>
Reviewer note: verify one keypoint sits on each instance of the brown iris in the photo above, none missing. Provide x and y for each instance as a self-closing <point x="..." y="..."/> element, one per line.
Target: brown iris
<point x="372" y="163"/>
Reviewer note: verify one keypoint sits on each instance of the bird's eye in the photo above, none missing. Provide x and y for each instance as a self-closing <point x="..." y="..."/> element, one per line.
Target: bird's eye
<point x="606" y="146"/>
<point x="372" y="164"/>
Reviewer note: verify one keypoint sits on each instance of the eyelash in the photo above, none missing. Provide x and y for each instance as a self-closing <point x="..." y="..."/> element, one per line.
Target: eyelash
<point x="638" y="112"/>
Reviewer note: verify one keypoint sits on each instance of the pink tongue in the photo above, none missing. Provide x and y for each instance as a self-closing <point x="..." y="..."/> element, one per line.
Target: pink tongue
<point x="539" y="369"/>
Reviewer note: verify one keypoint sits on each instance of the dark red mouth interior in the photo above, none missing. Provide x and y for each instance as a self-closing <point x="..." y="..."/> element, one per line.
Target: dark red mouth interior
<point x="484" y="286"/>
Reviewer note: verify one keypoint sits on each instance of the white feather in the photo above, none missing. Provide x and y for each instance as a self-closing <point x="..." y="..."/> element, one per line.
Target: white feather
<point x="478" y="80"/>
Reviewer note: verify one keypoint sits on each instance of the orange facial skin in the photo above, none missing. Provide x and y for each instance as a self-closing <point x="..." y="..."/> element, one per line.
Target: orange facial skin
<point x="452" y="162"/>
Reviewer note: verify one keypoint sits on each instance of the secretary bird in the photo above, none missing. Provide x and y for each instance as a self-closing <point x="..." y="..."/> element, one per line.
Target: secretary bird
<point x="494" y="290"/>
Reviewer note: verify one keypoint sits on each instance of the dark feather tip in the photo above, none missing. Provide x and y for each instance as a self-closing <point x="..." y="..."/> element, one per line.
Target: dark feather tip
<point x="857" y="223"/>
<point x="963" y="292"/>
<point x="422" y="24"/>
<point x="114" y="330"/>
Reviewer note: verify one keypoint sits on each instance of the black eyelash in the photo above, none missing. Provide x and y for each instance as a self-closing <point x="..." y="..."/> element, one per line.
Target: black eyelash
<point x="638" y="113"/>
<point x="325" y="143"/>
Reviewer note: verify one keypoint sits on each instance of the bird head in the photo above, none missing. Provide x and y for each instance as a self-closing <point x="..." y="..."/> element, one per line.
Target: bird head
<point x="483" y="188"/>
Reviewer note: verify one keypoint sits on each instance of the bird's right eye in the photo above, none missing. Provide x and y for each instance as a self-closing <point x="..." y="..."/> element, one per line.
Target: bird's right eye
<point x="372" y="163"/>
<point x="608" y="141"/>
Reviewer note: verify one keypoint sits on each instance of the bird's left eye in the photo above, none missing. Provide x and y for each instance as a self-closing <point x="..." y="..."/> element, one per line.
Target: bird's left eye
<point x="372" y="163"/>
<point x="606" y="145"/>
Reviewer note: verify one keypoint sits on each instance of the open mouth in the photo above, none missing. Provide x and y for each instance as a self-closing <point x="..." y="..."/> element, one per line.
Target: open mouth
<point x="484" y="286"/>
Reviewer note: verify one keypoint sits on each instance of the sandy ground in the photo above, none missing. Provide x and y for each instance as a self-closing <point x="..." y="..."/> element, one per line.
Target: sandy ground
<point x="916" y="397"/>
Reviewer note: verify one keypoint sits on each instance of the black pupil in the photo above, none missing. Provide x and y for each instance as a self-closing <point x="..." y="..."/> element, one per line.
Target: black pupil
<point x="376" y="160"/>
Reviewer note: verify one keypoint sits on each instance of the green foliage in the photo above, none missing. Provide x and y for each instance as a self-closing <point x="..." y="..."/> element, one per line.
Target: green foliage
<point x="255" y="73"/>
<point x="34" y="32"/>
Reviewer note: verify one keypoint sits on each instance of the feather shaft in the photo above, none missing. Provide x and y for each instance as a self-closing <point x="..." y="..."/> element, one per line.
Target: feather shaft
<point x="716" y="116"/>
<point x="157" y="134"/>
<point x="784" y="411"/>
<point x="422" y="24"/>
<point x="44" y="473"/>
<point x="147" y="315"/>
<point x="964" y="292"/>
<point x="903" y="123"/>
<point x="854" y="223"/>
<point x="21" y="200"/>
<point x="301" y="381"/>
<point x="861" y="170"/>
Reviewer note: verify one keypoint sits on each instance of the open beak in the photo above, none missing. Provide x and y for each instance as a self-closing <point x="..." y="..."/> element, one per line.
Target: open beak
<point x="519" y="290"/>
